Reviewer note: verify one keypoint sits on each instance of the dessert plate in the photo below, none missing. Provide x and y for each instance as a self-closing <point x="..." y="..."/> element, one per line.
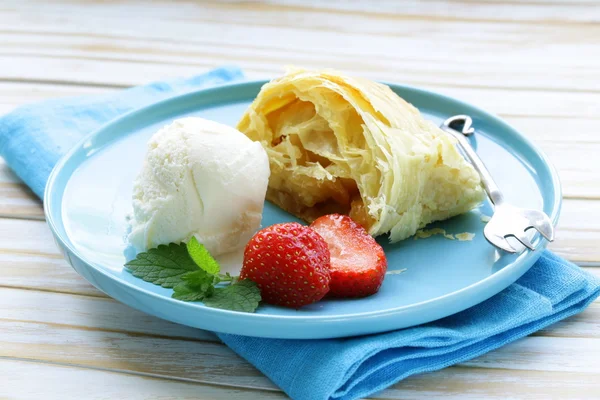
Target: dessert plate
<point x="88" y="199"/>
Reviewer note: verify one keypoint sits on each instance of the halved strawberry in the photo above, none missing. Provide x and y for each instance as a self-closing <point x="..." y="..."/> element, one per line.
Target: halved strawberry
<point x="289" y="263"/>
<point x="358" y="263"/>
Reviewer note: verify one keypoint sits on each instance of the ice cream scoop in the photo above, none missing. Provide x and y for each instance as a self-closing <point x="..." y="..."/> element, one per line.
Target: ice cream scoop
<point x="199" y="178"/>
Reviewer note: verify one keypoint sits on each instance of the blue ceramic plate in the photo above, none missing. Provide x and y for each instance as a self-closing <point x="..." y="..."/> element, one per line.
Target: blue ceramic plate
<point x="89" y="196"/>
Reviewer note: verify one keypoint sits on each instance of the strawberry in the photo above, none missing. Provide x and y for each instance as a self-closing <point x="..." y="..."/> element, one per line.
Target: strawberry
<point x="289" y="263"/>
<point x="358" y="263"/>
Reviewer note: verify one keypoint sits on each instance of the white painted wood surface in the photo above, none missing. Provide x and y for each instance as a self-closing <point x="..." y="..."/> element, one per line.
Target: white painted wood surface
<point x="535" y="63"/>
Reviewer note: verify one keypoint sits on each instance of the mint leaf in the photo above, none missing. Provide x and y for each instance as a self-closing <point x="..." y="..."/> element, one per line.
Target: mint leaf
<point x="163" y="265"/>
<point x="200" y="280"/>
<point x="241" y="296"/>
<point x="202" y="257"/>
<point x="184" y="292"/>
<point x="195" y="286"/>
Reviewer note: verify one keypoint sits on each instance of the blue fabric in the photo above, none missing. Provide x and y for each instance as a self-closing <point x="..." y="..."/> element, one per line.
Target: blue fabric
<point x="33" y="137"/>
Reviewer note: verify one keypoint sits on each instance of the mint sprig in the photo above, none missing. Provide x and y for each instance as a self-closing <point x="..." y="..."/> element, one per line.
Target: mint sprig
<point x="193" y="273"/>
<point x="195" y="286"/>
<point x="185" y="293"/>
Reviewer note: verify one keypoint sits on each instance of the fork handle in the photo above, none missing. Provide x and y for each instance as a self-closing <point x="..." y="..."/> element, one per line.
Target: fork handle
<point x="487" y="181"/>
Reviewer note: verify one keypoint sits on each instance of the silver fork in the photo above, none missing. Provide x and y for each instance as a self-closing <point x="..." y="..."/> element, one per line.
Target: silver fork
<point x="507" y="221"/>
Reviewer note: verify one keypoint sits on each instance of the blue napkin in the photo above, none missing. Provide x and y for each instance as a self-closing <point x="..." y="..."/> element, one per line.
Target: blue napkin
<point x="33" y="137"/>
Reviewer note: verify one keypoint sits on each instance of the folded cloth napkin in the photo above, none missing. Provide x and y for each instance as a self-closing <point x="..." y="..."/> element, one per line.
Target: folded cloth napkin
<point x="32" y="139"/>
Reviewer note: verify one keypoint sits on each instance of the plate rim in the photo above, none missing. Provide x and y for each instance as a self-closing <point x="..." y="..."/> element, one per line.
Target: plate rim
<point x="65" y="244"/>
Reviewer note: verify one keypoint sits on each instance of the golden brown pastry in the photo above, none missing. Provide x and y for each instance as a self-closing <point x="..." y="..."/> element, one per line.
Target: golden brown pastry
<point x="352" y="146"/>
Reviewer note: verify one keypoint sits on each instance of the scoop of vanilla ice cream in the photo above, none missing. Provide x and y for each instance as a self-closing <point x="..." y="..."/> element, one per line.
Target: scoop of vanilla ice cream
<point x="199" y="178"/>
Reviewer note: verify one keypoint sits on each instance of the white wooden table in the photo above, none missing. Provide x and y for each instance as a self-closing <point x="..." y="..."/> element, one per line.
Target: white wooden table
<point x="535" y="63"/>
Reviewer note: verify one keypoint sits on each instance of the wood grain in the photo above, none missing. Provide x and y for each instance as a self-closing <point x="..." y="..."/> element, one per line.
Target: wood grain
<point x="578" y="232"/>
<point x="261" y="38"/>
<point x="465" y="383"/>
<point x="203" y="362"/>
<point x="28" y="380"/>
<point x="535" y="63"/>
<point x="14" y="94"/>
<point x="6" y="175"/>
<point x="539" y="106"/>
<point x="17" y="201"/>
<point x="42" y="272"/>
<point x="454" y="383"/>
<point x="28" y="238"/>
<point x="91" y="313"/>
<point x="540" y="12"/>
<point x="136" y="344"/>
<point x="584" y="325"/>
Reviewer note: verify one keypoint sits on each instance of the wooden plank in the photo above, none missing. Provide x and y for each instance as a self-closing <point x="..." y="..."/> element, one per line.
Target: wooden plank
<point x="197" y="35"/>
<point x="540" y="12"/>
<point x="544" y="354"/>
<point x="454" y="383"/>
<point x="44" y="273"/>
<point x="90" y="313"/>
<point x="570" y="144"/>
<point x="6" y="175"/>
<point x="124" y="70"/>
<point x="461" y="383"/>
<point x="16" y="199"/>
<point x="214" y="363"/>
<point x="27" y="238"/>
<point x="13" y="94"/>
<point x="95" y="71"/>
<point x="26" y="380"/>
<point x="100" y="333"/>
<point x="583" y="325"/>
<point x="552" y="108"/>
<point x="549" y="12"/>
<point x="578" y="232"/>
<point x="198" y="361"/>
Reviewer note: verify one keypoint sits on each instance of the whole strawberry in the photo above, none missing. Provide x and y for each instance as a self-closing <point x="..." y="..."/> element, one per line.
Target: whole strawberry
<point x="289" y="263"/>
<point x="358" y="263"/>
